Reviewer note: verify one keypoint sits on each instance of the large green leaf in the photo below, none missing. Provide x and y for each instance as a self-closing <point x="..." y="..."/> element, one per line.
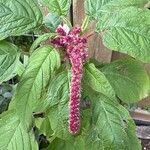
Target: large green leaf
<point x="58" y="144"/>
<point x="58" y="96"/>
<point x="120" y="32"/>
<point x="58" y="6"/>
<point x="44" y="127"/>
<point x="130" y="129"/>
<point x="9" y="58"/>
<point x="134" y="142"/>
<point x="40" y="39"/>
<point x="18" y="17"/>
<point x="13" y="136"/>
<point x="128" y="78"/>
<point x="96" y="8"/>
<point x="97" y="80"/>
<point x="41" y="68"/>
<point x="109" y="122"/>
<point x="77" y="144"/>
<point x="126" y="34"/>
<point x="109" y="129"/>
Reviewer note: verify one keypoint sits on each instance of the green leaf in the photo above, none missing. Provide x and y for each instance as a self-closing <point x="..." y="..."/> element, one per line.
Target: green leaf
<point x="93" y="141"/>
<point x="41" y="39"/>
<point x="58" y="96"/>
<point x="61" y="7"/>
<point x="18" y="17"/>
<point x="20" y="68"/>
<point x="128" y="78"/>
<point x="111" y="125"/>
<point x="58" y="144"/>
<point x="108" y="128"/>
<point x="13" y="136"/>
<point x="52" y="21"/>
<point x="97" y="80"/>
<point x="40" y="70"/>
<point x="119" y="32"/>
<point x="96" y="8"/>
<point x="44" y="127"/>
<point x="9" y="58"/>
<point x="134" y="142"/>
<point x="127" y="35"/>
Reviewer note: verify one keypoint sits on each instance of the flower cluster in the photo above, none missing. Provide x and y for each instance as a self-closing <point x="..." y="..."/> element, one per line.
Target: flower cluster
<point x="76" y="49"/>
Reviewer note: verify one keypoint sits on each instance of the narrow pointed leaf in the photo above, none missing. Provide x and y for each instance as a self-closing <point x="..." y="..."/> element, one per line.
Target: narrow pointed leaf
<point x="9" y="58"/>
<point x="40" y="39"/>
<point x="41" y="68"/>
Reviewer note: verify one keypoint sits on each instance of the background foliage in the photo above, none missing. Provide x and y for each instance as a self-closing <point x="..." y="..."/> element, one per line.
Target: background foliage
<point x="40" y="88"/>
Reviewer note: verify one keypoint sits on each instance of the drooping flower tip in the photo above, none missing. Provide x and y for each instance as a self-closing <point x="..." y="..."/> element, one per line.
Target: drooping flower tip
<point x="74" y="122"/>
<point x="76" y="50"/>
<point x="74" y="129"/>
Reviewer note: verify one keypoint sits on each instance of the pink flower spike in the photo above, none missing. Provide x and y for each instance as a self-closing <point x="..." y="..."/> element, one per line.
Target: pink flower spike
<point x="74" y="103"/>
<point x="77" y="54"/>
